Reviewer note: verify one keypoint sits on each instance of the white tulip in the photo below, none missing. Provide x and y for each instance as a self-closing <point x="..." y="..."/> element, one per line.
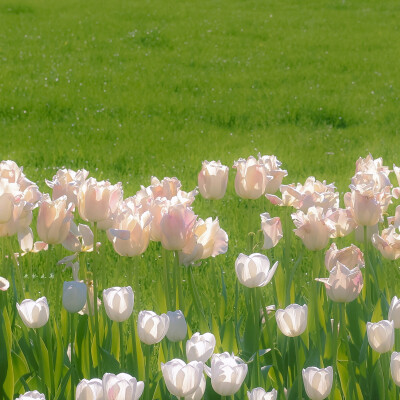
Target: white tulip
<point x="318" y="382"/>
<point x="89" y="390"/>
<point x="200" y="347"/>
<point x="121" y="387"/>
<point x="395" y="367"/>
<point x="381" y="335"/>
<point x="254" y="270"/>
<point x="152" y="327"/>
<point x="74" y="296"/>
<point x="199" y="392"/>
<point x="118" y="302"/>
<point x="33" y="313"/>
<point x="394" y="312"/>
<point x="177" y="329"/>
<point x="260" y="394"/>
<point x="292" y="321"/>
<point x="35" y="395"/>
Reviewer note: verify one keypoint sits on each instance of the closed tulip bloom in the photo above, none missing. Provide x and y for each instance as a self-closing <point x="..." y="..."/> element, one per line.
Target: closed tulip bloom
<point x="118" y="302"/>
<point x="131" y="231"/>
<point x="177" y="225"/>
<point x="318" y="382"/>
<point x="350" y="256"/>
<point x="34" y="395"/>
<point x="54" y="219"/>
<point x="200" y="347"/>
<point x="213" y="180"/>
<point x="97" y="201"/>
<point x="74" y="296"/>
<point x="251" y="178"/>
<point x="33" y="313"/>
<point x="4" y="284"/>
<point x="292" y="321"/>
<point x="395" y="367"/>
<point x="152" y="327"/>
<point x="260" y="394"/>
<point x="199" y="392"/>
<point x="121" y="387"/>
<point x="381" y="335"/>
<point x="394" y="312"/>
<point x="254" y="270"/>
<point x="177" y="329"/>
<point x="180" y="378"/>
<point x="343" y="285"/>
<point x="89" y="390"/>
<point x="313" y="228"/>
<point x="272" y="230"/>
<point x="227" y="373"/>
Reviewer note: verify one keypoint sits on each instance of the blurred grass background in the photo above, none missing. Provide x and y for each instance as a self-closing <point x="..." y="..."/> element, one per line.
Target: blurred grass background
<point x="131" y="89"/>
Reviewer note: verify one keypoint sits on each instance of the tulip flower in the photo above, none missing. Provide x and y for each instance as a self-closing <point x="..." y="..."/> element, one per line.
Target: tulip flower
<point x="98" y="201"/>
<point x="177" y="227"/>
<point x="20" y="219"/>
<point x="33" y="313"/>
<point x="80" y="238"/>
<point x="292" y="321"/>
<point x="395" y="367"/>
<point x="200" y="347"/>
<point x="74" y="296"/>
<point x="381" y="335"/>
<point x="131" y="231"/>
<point x="274" y="173"/>
<point x="54" y="219"/>
<point x="343" y="285"/>
<point x="7" y="202"/>
<point x="86" y="310"/>
<point x="394" y="312"/>
<point x="67" y="182"/>
<point x="342" y="220"/>
<point x="251" y="178"/>
<point x="34" y="395"/>
<point x="180" y="378"/>
<point x="118" y="303"/>
<point x="152" y="327"/>
<point x="318" y="382"/>
<point x="4" y="284"/>
<point x="177" y="329"/>
<point x="254" y="270"/>
<point x="199" y="392"/>
<point x="260" y="394"/>
<point x="227" y="373"/>
<point x="89" y="390"/>
<point x="168" y="187"/>
<point x="388" y="243"/>
<point x="213" y="180"/>
<point x="313" y="228"/>
<point x="350" y="256"/>
<point x="121" y="387"/>
<point x="272" y="230"/>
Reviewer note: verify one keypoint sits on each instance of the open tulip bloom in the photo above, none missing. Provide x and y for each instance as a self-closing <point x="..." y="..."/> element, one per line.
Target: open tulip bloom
<point x="260" y="394"/>
<point x="200" y="347"/>
<point x="318" y="382"/>
<point x="381" y="335"/>
<point x="180" y="378"/>
<point x="254" y="270"/>
<point x="33" y="313"/>
<point x="350" y="256"/>
<point x="34" y="395"/>
<point x="89" y="390"/>
<point x="343" y="285"/>
<point x="272" y="230"/>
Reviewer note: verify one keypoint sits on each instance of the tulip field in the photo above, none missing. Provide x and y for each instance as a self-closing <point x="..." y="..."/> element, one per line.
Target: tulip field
<point x="199" y="200"/>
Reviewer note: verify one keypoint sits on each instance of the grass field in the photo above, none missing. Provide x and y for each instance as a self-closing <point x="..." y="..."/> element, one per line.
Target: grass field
<point x="131" y="89"/>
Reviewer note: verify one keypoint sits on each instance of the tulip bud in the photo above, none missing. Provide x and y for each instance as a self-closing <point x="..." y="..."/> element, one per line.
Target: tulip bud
<point x="272" y="230"/>
<point x="200" y="347"/>
<point x="177" y="329"/>
<point x="394" y="312"/>
<point x="35" y="395"/>
<point x="261" y="394"/>
<point x="74" y="296"/>
<point x="227" y="373"/>
<point x="118" y="302"/>
<point x="152" y="327"/>
<point x="292" y="321"/>
<point x="381" y="335"/>
<point x="395" y="367"/>
<point x="33" y="313"/>
<point x="122" y="387"/>
<point x="54" y="220"/>
<point x="318" y="382"/>
<point x="213" y="179"/>
<point x="343" y="285"/>
<point x="254" y="270"/>
<point x="89" y="390"/>
<point x="180" y="378"/>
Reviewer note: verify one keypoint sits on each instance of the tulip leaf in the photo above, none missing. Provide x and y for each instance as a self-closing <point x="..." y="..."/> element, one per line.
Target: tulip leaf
<point x="109" y="360"/>
<point x="45" y="365"/>
<point x="62" y="389"/>
<point x="6" y="363"/>
<point x="59" y="359"/>
<point x="20" y="366"/>
<point x="378" y="382"/>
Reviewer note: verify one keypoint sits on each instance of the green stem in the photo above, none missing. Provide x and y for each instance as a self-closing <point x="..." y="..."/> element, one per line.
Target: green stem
<point x="166" y="279"/>
<point x="315" y="299"/>
<point x="121" y="346"/>
<point x="367" y="271"/>
<point x="195" y="296"/>
<point x="72" y="341"/>
<point x="133" y="333"/>
<point x="96" y="311"/>
<point x="16" y="267"/>
<point x="335" y="345"/>
<point x="299" y="368"/>
<point x="179" y="281"/>
<point x="148" y="349"/>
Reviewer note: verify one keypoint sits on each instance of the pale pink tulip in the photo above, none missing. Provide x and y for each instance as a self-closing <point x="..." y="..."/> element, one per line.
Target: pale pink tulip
<point x="251" y="178"/>
<point x="20" y="219"/>
<point x="343" y="285"/>
<point x="98" y="201"/>
<point x="343" y="221"/>
<point x="275" y="174"/>
<point x="313" y="228"/>
<point x="272" y="230"/>
<point x="213" y="180"/>
<point x="54" y="219"/>
<point x="350" y="256"/>
<point x="388" y="243"/>
<point x="80" y="238"/>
